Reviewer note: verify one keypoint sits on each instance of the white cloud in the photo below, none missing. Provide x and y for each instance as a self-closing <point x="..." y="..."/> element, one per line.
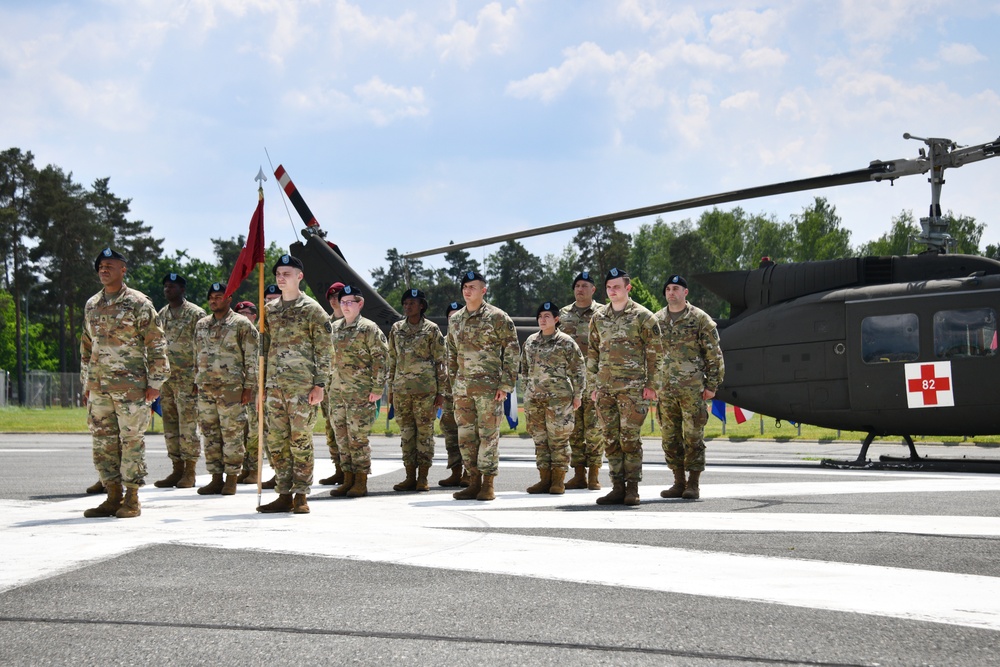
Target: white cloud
<point x="744" y="27"/>
<point x="386" y="103"/>
<point x="690" y="119"/>
<point x="492" y="32"/>
<point x="960" y="54"/>
<point x="669" y="22"/>
<point x="745" y="99"/>
<point x="580" y="61"/>
<point x="763" y="58"/>
<point x="863" y="20"/>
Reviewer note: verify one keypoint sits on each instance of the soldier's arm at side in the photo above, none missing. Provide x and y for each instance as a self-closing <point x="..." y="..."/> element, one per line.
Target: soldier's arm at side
<point x="509" y="360"/>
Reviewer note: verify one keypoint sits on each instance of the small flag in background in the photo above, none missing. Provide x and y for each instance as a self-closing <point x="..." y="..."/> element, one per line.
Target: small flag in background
<point x="719" y="409"/>
<point x="510" y="408"/>
<point x="156" y="407"/>
<point x="741" y="414"/>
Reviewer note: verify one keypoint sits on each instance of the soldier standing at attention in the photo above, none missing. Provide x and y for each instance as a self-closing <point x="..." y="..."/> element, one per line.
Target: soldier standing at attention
<point x="622" y="364"/>
<point x="358" y="371"/>
<point x="248" y="475"/>
<point x="482" y="366"/>
<point x="691" y="372"/>
<point x="333" y="298"/>
<point x="179" y="401"/>
<point x="449" y="427"/>
<point x="123" y="365"/>
<point x="271" y="293"/>
<point x="297" y="366"/>
<point x="226" y="373"/>
<point x="416" y="386"/>
<point x="552" y="368"/>
<point x="587" y="441"/>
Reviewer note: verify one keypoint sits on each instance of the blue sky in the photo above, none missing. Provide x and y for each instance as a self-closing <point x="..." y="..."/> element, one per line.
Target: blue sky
<point x="413" y="124"/>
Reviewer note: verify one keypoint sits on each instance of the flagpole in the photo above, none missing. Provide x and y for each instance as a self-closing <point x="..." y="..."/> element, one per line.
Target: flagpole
<point x="260" y="357"/>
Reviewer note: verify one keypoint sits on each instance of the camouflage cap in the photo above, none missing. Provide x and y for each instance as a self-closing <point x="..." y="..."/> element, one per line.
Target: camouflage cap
<point x="176" y="279"/>
<point x="287" y="260"/>
<point x="108" y="253"/>
<point x="616" y="273"/>
<point x="216" y="287"/>
<point x="584" y="276"/>
<point x="333" y="289"/>
<point x="548" y="307"/>
<point x="469" y="276"/>
<point x="675" y="280"/>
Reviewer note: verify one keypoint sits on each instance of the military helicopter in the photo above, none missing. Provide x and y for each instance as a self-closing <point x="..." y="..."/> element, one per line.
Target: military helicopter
<point x="890" y="346"/>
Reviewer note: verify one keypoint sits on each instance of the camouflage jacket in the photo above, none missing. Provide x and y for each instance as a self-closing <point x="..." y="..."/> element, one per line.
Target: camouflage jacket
<point x="416" y="358"/>
<point x="576" y="323"/>
<point x="552" y="367"/>
<point x="624" y="349"/>
<point x="122" y="348"/>
<point x="178" y="329"/>
<point x="359" y="354"/>
<point x="483" y="351"/>
<point x="691" y="352"/>
<point x="227" y="352"/>
<point x="296" y="344"/>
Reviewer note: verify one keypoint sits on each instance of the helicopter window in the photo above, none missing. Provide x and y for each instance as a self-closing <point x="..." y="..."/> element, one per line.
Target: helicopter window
<point x="965" y="333"/>
<point x="890" y="338"/>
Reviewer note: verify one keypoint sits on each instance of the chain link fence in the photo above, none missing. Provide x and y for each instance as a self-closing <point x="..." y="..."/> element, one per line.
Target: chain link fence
<point x="42" y="390"/>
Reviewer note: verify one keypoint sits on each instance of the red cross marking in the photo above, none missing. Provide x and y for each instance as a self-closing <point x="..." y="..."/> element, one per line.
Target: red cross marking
<point x="929" y="385"/>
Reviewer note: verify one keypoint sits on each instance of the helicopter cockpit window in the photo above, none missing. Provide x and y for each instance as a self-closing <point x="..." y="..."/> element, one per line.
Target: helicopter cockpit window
<point x="965" y="333"/>
<point x="889" y="338"/>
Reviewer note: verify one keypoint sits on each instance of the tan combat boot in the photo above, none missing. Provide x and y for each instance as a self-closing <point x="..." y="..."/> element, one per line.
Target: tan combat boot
<point x="130" y="506"/>
<point x="242" y="479"/>
<point x="470" y="492"/>
<point x="110" y="506"/>
<point x="229" y="488"/>
<point x="454" y="479"/>
<point x="336" y="478"/>
<point x="342" y="490"/>
<point x="558" y="487"/>
<point x="299" y="504"/>
<point x="631" y="493"/>
<point x="271" y="483"/>
<point x="691" y="491"/>
<point x="677" y="489"/>
<point x="214" y="487"/>
<point x="360" y="487"/>
<point x="617" y="495"/>
<point x="96" y="487"/>
<point x="283" y="503"/>
<point x="543" y="483"/>
<point x="422" y="484"/>
<point x="187" y="478"/>
<point x="594" y="478"/>
<point x="579" y="480"/>
<point x="410" y="483"/>
<point x="486" y="489"/>
<point x="251" y="478"/>
<point x="465" y="479"/>
<point x="171" y="479"/>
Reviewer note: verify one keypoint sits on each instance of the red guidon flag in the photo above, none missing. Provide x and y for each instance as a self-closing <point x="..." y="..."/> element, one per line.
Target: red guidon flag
<point x="253" y="250"/>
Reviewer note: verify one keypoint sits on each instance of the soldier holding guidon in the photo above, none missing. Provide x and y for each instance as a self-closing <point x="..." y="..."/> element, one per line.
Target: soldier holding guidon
<point x="416" y="386"/>
<point x="226" y="373"/>
<point x="449" y="427"/>
<point x="552" y="369"/>
<point x="123" y="365"/>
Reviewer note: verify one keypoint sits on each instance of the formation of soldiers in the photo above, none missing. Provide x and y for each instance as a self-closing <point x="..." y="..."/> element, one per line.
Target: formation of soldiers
<point x="590" y="375"/>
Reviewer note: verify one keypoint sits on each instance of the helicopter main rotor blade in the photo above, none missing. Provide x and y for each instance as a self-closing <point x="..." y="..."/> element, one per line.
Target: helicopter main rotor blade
<point x="876" y="171"/>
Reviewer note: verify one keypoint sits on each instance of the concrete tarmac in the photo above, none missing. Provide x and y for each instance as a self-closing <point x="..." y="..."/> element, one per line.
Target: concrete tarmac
<point x="780" y="562"/>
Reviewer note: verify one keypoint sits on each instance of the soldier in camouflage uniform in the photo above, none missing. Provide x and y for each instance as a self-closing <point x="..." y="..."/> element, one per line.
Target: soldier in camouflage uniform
<point x="449" y="427"/>
<point x="123" y="365"/>
<point x="587" y="441"/>
<point x="483" y="355"/>
<point x="226" y="373"/>
<point x="622" y="363"/>
<point x="358" y="370"/>
<point x="179" y="401"/>
<point x="333" y="298"/>
<point x="271" y="293"/>
<point x="297" y="366"/>
<point x="552" y="369"/>
<point x="690" y="373"/>
<point x="416" y="387"/>
<point x="248" y="474"/>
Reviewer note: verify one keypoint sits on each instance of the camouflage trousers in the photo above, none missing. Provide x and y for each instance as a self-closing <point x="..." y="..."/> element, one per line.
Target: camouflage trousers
<point x="549" y="422"/>
<point x="223" y="421"/>
<point x="353" y="418"/>
<point x="415" y="417"/>
<point x="290" y="423"/>
<point x="587" y="441"/>
<point x="449" y="427"/>
<point x="478" y="420"/>
<point x="253" y="436"/>
<point x="331" y="435"/>
<point x="180" y="420"/>
<point x="682" y="414"/>
<point x="621" y="414"/>
<point x="117" y="423"/>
